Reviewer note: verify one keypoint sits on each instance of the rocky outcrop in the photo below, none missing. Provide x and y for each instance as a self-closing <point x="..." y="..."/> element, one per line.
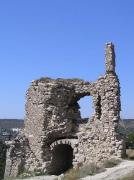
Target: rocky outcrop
<point x="54" y="138"/>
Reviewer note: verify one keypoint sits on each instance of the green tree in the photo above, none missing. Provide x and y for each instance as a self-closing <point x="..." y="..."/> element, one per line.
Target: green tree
<point x="130" y="140"/>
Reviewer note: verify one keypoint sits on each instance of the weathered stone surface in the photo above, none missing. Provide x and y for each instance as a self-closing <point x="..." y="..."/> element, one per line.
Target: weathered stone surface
<point x="55" y="137"/>
<point x="110" y="58"/>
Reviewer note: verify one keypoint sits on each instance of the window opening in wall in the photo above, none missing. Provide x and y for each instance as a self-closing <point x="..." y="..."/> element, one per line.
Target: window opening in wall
<point x="86" y="108"/>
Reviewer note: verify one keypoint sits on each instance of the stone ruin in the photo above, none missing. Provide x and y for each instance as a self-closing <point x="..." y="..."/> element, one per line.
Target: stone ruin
<point x="55" y="137"/>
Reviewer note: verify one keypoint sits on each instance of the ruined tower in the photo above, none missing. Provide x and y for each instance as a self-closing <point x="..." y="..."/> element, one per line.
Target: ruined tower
<point x="55" y="138"/>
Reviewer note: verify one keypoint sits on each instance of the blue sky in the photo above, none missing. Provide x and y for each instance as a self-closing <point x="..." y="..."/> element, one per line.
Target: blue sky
<point x="63" y="38"/>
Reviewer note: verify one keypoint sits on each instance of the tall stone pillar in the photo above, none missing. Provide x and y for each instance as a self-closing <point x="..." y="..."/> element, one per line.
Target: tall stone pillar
<point x="110" y="58"/>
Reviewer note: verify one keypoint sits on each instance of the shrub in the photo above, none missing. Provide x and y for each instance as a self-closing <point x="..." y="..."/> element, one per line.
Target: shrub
<point x="111" y="163"/>
<point x="130" y="153"/>
<point x="130" y="140"/>
<point x="2" y="168"/>
<point x="8" y="178"/>
<point x="26" y="174"/>
<point x="2" y="159"/>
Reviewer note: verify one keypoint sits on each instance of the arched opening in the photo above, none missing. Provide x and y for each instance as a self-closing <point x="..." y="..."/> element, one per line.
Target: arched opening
<point x="86" y="107"/>
<point x="62" y="157"/>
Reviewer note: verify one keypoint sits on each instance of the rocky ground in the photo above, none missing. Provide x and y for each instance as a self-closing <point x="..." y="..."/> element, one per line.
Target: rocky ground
<point x="126" y="167"/>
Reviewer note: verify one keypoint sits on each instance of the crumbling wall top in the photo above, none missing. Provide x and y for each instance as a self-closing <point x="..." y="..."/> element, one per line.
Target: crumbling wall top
<point x="110" y="58"/>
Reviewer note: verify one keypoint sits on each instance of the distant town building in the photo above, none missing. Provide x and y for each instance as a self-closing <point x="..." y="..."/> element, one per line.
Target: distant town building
<point x="9" y="128"/>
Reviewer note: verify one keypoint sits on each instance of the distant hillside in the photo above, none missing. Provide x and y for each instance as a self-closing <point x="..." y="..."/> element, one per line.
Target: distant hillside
<point x="127" y="125"/>
<point x="11" y="123"/>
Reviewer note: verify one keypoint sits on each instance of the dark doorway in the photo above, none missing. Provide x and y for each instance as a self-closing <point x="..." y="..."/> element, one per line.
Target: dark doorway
<point x="62" y="157"/>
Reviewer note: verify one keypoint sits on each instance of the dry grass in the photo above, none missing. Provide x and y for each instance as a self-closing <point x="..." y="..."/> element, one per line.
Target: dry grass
<point x="111" y="163"/>
<point x="128" y="177"/>
<point x="86" y="170"/>
<point x="72" y="174"/>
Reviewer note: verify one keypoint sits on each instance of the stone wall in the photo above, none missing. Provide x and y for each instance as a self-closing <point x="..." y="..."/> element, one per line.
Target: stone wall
<point x="53" y="123"/>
